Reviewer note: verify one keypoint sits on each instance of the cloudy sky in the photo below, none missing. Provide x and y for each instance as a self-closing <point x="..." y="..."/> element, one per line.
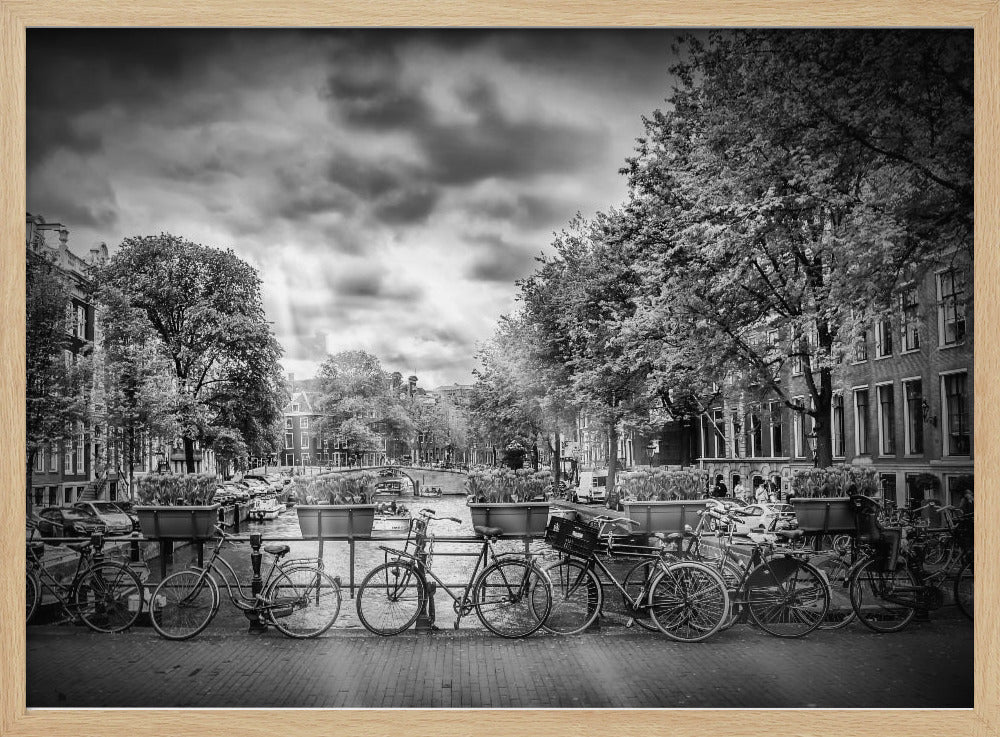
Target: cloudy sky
<point x="390" y="186"/>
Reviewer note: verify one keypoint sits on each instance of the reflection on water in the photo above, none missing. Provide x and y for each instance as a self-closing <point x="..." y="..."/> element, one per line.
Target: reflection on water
<point x="368" y="553"/>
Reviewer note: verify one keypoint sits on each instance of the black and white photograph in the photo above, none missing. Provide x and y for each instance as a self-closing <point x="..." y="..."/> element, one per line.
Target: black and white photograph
<point x="508" y="368"/>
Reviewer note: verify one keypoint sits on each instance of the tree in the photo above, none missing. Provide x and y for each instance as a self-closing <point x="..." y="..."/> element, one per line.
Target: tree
<point x="574" y="302"/>
<point x="204" y="307"/>
<point x="795" y="181"/>
<point x="57" y="378"/>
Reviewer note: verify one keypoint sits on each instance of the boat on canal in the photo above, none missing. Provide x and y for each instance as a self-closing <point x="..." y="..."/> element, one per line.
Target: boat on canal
<point x="266" y="507"/>
<point x="391" y="517"/>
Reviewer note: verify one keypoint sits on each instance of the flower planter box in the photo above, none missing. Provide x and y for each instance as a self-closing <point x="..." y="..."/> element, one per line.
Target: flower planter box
<point x="669" y="516"/>
<point x="824" y="514"/>
<point x="515" y="519"/>
<point x="179" y="523"/>
<point x="325" y="521"/>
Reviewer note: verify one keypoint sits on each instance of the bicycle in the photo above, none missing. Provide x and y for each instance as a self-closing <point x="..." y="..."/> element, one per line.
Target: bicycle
<point x="890" y="586"/>
<point x="100" y="594"/>
<point x="297" y="596"/>
<point x="510" y="595"/>
<point x="685" y="600"/>
<point x="783" y="594"/>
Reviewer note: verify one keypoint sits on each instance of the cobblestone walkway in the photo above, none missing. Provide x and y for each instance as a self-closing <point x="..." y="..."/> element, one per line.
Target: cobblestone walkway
<point x="928" y="665"/>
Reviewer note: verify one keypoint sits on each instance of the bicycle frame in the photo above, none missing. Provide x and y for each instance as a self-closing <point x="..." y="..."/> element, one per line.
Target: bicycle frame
<point x="50" y="583"/>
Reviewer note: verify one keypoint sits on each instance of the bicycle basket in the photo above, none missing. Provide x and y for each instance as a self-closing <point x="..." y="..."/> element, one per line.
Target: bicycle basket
<point x="571" y="537"/>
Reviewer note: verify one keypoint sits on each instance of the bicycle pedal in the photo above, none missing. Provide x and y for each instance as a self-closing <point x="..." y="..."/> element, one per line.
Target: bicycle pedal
<point x="630" y="622"/>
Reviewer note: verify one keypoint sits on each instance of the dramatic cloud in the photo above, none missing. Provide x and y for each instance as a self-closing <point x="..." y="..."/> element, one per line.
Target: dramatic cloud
<point x="388" y="185"/>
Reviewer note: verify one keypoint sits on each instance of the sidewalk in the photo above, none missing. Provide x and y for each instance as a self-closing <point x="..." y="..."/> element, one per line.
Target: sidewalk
<point x="927" y="665"/>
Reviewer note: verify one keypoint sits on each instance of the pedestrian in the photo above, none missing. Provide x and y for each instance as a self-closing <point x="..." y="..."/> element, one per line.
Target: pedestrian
<point x="965" y="506"/>
<point x="719" y="490"/>
<point x="760" y="494"/>
<point x="739" y="490"/>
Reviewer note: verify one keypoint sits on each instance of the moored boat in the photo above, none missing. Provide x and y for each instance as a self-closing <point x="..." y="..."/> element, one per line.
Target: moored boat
<point x="266" y="507"/>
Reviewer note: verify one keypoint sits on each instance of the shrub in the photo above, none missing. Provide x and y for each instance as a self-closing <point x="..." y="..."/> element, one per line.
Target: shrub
<point x="503" y="485"/>
<point x="834" y="481"/>
<point x="340" y="489"/>
<point x="662" y="484"/>
<point x="175" y="489"/>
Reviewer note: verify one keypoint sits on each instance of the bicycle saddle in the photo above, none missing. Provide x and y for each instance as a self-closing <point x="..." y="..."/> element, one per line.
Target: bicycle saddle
<point x="673" y="537"/>
<point x="488" y="531"/>
<point x="789" y="534"/>
<point x="276" y="550"/>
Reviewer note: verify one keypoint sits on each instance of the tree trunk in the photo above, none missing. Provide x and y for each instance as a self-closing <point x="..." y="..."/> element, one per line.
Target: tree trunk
<point x="556" y="463"/>
<point x="189" y="454"/>
<point x="612" y="456"/>
<point x="823" y="456"/>
<point x="534" y="454"/>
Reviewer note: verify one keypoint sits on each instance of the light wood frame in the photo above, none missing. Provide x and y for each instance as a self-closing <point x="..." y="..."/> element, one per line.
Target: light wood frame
<point x="16" y="15"/>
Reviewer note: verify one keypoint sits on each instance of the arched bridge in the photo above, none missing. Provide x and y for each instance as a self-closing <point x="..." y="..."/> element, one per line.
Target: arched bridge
<point x="450" y="481"/>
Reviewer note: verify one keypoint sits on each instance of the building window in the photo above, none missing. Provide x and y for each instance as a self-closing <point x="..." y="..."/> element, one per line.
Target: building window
<point x="837" y="426"/>
<point x="81" y="454"/>
<point x="913" y="416"/>
<point x="956" y="414"/>
<point x="951" y="307"/>
<point x="798" y="433"/>
<point x="288" y="423"/>
<point x="909" y="306"/>
<point x="305" y="459"/>
<point x="887" y="485"/>
<point x="883" y="338"/>
<point x="755" y="434"/>
<point x="289" y="440"/>
<point x="886" y="419"/>
<point x="719" y="433"/>
<point x="861" y="346"/>
<point x="775" y="411"/>
<point x="861" y="421"/>
<point x="738" y="452"/>
<point x="304" y="423"/>
<point x="68" y="457"/>
<point x="53" y="459"/>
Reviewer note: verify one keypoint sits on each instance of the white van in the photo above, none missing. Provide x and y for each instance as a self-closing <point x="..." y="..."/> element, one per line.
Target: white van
<point x="593" y="487"/>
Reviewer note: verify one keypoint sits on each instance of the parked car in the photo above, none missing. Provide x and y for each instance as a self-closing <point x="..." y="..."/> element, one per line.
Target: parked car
<point x="763" y="518"/>
<point x="67" y="522"/>
<point x="593" y="487"/>
<point x="116" y="522"/>
<point x="725" y="505"/>
<point x="128" y="508"/>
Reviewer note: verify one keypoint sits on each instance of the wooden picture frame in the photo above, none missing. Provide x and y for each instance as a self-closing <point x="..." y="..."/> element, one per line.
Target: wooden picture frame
<point x="15" y="15"/>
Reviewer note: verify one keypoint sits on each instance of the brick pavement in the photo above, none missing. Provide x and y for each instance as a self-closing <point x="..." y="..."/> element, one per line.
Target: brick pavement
<point x="927" y="665"/>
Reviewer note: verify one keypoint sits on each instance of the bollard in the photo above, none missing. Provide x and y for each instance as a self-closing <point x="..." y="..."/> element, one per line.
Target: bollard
<point x="97" y="543"/>
<point x="256" y="583"/>
<point x="135" y="554"/>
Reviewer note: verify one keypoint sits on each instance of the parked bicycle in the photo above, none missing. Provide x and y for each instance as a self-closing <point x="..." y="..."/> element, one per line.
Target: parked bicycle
<point x="891" y="585"/>
<point x="775" y="586"/>
<point x="103" y="594"/>
<point x="509" y="593"/>
<point x="685" y="600"/>
<point x="297" y="597"/>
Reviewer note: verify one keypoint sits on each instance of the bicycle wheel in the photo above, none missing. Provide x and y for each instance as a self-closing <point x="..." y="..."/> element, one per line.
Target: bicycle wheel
<point x="689" y="601"/>
<point x="840" y="613"/>
<point x="108" y="597"/>
<point x="732" y="574"/>
<point x="787" y="597"/>
<point x="576" y="597"/>
<point x="639" y="577"/>
<point x="883" y="601"/>
<point x="32" y="595"/>
<point x="512" y="598"/>
<point x="390" y="598"/>
<point x="183" y="604"/>
<point x="964" y="589"/>
<point x="937" y="549"/>
<point x="302" y="601"/>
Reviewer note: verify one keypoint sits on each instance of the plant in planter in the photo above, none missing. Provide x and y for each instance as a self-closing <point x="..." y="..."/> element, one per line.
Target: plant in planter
<point x="177" y="505"/>
<point x="821" y="496"/>
<point x="514" y="501"/>
<point x="336" y="504"/>
<point x="663" y="500"/>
